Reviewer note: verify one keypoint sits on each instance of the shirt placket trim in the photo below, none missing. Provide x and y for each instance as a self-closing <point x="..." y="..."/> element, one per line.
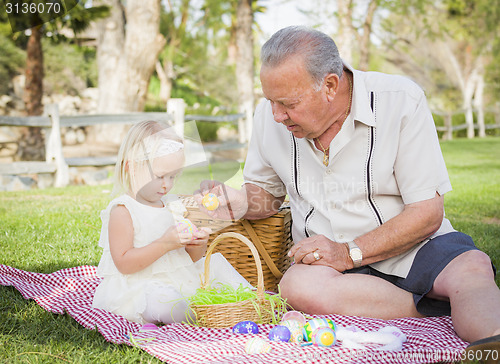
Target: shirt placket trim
<point x="369" y="162"/>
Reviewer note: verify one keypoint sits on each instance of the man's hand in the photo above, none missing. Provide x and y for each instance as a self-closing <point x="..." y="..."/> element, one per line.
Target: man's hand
<point x="319" y="250"/>
<point x="232" y="203"/>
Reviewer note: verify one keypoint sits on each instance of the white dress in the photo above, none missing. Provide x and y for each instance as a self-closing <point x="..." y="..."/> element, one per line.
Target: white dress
<point x="156" y="293"/>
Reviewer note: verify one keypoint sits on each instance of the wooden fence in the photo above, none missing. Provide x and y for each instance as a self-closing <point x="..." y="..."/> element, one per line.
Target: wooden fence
<point x="56" y="163"/>
<point x="448" y="128"/>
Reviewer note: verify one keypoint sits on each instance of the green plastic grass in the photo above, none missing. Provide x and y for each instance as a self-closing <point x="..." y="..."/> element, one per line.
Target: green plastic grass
<point x="224" y="293"/>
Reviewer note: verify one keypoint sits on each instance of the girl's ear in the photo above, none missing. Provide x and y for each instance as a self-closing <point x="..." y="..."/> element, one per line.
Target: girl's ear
<point x="126" y="166"/>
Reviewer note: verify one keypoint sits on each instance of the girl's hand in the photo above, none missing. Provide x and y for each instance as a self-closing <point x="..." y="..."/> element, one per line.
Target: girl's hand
<point x="197" y="247"/>
<point x="200" y="237"/>
<point x="129" y="259"/>
<point x="184" y="237"/>
<point x="172" y="239"/>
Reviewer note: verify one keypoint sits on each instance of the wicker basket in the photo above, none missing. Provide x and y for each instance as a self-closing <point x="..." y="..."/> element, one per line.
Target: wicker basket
<point x="271" y="237"/>
<point x="229" y="314"/>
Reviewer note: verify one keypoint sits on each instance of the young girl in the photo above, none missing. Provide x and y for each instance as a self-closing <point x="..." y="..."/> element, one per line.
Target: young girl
<point x="149" y="265"/>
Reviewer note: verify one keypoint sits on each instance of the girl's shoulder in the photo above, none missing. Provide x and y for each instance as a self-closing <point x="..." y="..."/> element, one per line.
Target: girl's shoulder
<point x="124" y="200"/>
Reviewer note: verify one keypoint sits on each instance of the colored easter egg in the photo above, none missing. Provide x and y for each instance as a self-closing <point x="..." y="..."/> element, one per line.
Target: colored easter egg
<point x="257" y="345"/>
<point x="323" y="336"/>
<point x="294" y="315"/>
<point x="190" y="228"/>
<point x="210" y="201"/>
<point x="296" y="335"/>
<point x="246" y="327"/>
<point x="280" y="333"/>
<point x="315" y="323"/>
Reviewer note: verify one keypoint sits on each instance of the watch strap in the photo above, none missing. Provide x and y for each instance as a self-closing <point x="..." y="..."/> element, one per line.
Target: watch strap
<point x="355" y="254"/>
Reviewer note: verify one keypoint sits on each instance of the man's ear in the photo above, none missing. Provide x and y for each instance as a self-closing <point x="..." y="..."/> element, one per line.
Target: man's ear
<point x="332" y="85"/>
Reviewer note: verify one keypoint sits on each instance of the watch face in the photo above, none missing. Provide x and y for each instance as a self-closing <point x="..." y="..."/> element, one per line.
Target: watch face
<point x="356" y="254"/>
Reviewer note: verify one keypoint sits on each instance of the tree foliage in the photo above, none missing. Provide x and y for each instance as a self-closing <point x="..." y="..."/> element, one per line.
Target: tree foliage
<point x="444" y="43"/>
<point x="11" y="62"/>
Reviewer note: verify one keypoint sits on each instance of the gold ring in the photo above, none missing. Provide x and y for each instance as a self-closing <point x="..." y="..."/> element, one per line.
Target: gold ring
<point x="316" y="256"/>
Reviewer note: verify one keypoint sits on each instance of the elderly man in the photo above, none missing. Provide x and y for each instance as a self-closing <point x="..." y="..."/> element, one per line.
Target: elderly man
<point x="358" y="155"/>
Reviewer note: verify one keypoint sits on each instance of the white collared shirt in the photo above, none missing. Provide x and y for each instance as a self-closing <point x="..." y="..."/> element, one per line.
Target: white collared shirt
<point x="386" y="155"/>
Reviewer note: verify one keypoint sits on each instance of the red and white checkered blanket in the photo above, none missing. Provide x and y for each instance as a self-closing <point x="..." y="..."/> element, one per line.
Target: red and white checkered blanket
<point x="430" y="340"/>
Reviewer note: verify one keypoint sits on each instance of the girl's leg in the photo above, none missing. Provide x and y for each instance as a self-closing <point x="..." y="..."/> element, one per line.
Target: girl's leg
<point x="165" y="305"/>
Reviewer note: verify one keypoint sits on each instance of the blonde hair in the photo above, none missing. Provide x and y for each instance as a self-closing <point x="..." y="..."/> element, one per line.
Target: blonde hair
<point x="134" y="149"/>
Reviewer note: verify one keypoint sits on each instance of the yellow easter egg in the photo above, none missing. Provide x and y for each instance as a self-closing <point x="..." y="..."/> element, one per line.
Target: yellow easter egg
<point x="210" y="201"/>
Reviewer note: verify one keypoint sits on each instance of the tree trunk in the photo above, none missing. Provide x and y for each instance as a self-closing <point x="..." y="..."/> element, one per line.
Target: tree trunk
<point x="127" y="58"/>
<point x="364" y="42"/>
<point x="470" y="86"/>
<point x="244" y="65"/>
<point x="479" y="101"/>
<point x="143" y="44"/>
<point x="166" y="73"/>
<point x="466" y="79"/>
<point x="34" y="73"/>
<point x="31" y="145"/>
<point x="166" y="76"/>
<point x="345" y="33"/>
<point x="110" y="40"/>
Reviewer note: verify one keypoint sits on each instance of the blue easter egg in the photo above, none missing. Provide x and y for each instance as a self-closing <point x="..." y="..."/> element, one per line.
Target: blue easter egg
<point x="246" y="327"/>
<point x="280" y="333"/>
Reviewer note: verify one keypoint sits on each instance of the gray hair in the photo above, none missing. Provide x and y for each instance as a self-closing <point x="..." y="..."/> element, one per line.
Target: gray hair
<point x="320" y="52"/>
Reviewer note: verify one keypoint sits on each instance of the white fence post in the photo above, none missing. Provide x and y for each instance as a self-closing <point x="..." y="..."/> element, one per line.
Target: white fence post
<point x="53" y="147"/>
<point x="448" y="134"/>
<point x="177" y="107"/>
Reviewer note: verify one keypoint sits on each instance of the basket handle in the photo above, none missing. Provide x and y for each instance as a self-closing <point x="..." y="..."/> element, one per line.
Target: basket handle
<point x="260" y="247"/>
<point x="260" y="277"/>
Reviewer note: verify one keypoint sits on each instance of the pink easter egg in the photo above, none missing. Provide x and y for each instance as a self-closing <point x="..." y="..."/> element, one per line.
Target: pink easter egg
<point x="190" y="227"/>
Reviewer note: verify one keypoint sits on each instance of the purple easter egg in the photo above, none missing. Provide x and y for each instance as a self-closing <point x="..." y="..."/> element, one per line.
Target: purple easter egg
<point x="280" y="333"/>
<point x="246" y="327"/>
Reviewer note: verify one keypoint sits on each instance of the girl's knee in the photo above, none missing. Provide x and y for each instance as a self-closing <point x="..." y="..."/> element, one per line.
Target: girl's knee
<point x="165" y="305"/>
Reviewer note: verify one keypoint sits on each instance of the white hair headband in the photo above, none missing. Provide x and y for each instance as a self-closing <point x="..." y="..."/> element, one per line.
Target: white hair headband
<point x="164" y="147"/>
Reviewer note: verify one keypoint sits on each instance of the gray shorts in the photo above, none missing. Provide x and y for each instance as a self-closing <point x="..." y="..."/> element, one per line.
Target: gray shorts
<point x="430" y="260"/>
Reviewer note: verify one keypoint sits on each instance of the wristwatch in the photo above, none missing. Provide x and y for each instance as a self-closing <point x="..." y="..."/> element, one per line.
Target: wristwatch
<point x="355" y="254"/>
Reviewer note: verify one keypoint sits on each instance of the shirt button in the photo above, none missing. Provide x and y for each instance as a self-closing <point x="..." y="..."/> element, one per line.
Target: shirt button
<point x="341" y="236"/>
<point x="328" y="171"/>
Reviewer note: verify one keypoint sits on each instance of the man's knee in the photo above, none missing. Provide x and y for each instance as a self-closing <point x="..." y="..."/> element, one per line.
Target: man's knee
<point x="302" y="284"/>
<point x="470" y="266"/>
<point x="292" y="281"/>
<point x="475" y="263"/>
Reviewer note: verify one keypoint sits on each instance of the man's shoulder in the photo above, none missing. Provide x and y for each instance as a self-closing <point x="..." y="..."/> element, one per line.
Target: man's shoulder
<point x="383" y="82"/>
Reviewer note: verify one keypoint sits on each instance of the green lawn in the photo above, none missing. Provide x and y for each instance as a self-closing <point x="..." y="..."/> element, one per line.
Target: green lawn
<point x="47" y="230"/>
<point x="473" y="206"/>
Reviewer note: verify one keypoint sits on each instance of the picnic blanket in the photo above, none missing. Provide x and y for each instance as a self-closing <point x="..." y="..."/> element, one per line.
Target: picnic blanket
<point x="429" y="340"/>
